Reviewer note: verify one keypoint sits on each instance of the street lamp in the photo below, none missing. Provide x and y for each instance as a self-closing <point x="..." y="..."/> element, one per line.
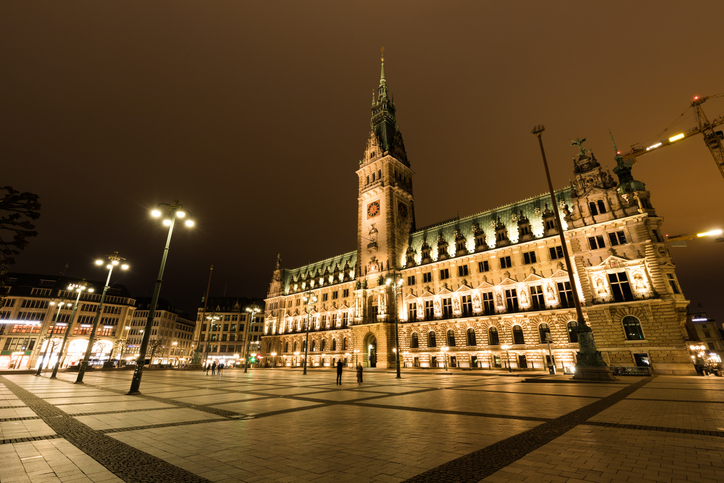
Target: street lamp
<point x="296" y="358"/>
<point x="113" y="261"/>
<point x="444" y="350"/>
<point x="590" y="363"/>
<point x="356" y="351"/>
<point x="79" y="287"/>
<point x="50" y="335"/>
<point x="174" y="210"/>
<point x="552" y="369"/>
<point x="396" y="288"/>
<point x="505" y="347"/>
<point x="253" y="309"/>
<point x="309" y="298"/>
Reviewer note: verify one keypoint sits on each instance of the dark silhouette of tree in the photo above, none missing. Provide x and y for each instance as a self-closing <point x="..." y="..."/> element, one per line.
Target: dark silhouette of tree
<point x="17" y="210"/>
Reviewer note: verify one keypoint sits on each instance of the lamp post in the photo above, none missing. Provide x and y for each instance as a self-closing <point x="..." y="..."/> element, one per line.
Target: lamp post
<point x="590" y="363"/>
<point x="212" y="318"/>
<point x="310" y="298"/>
<point x="50" y="335"/>
<point x="552" y="369"/>
<point x="356" y="351"/>
<point x="274" y="359"/>
<point x="396" y="287"/>
<point x="174" y="210"/>
<point x="296" y="358"/>
<point x="505" y="347"/>
<point x="113" y="261"/>
<point x="253" y="309"/>
<point x="444" y="350"/>
<point x="79" y="287"/>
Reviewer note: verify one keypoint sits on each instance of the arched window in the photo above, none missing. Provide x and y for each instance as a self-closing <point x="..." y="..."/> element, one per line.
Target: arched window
<point x="323" y="345"/>
<point x="632" y="328"/>
<point x="344" y="344"/>
<point x="573" y="331"/>
<point x="295" y="346"/>
<point x="431" y="339"/>
<point x="544" y="330"/>
<point x="314" y="345"/>
<point x="493" y="336"/>
<point x="286" y="347"/>
<point x="304" y="345"/>
<point x="414" y="343"/>
<point x="334" y="344"/>
<point x="451" y="338"/>
<point x="518" y="335"/>
<point x="471" y="337"/>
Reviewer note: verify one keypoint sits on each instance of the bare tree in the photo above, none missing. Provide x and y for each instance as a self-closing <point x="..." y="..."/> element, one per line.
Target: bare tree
<point x="16" y="212"/>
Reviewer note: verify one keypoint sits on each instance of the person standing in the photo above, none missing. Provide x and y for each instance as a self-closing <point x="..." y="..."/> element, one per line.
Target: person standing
<point x="359" y="373"/>
<point x="213" y="369"/>
<point x="339" y="372"/>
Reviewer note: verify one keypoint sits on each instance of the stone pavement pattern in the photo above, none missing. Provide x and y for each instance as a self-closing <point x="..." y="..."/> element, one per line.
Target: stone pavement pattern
<point x="278" y="425"/>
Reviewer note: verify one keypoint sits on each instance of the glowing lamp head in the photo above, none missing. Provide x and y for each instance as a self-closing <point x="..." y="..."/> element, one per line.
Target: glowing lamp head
<point x="114" y="262"/>
<point x="99" y="262"/>
<point x="167" y="222"/>
<point x="124" y="266"/>
<point x="155" y="213"/>
<point x="180" y="213"/>
<point x="189" y="223"/>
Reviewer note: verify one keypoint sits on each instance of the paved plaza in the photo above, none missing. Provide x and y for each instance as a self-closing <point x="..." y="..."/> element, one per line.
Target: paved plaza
<point x="279" y="425"/>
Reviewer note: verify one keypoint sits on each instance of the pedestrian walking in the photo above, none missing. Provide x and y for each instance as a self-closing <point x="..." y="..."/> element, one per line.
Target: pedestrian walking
<point x="213" y="368"/>
<point x="359" y="373"/>
<point x="221" y="367"/>
<point x="339" y="372"/>
<point x="207" y="367"/>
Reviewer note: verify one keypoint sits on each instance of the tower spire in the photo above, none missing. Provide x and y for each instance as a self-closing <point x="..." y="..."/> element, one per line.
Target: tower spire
<point x="382" y="68"/>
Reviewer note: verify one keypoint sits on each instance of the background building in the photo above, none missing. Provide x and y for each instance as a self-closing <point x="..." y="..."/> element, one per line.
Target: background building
<point x="224" y="329"/>
<point x="27" y="317"/>
<point x="486" y="290"/>
<point x="172" y="337"/>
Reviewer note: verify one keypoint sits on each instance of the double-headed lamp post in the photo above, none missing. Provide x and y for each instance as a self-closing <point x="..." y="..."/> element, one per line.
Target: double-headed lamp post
<point x="173" y="211"/>
<point x="252" y="309"/>
<point x="309" y="299"/>
<point x="444" y="350"/>
<point x="396" y="288"/>
<point x="113" y="261"/>
<point x="50" y="335"/>
<point x="79" y="287"/>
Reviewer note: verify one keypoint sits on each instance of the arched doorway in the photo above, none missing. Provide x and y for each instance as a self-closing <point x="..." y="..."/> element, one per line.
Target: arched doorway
<point x="370" y="350"/>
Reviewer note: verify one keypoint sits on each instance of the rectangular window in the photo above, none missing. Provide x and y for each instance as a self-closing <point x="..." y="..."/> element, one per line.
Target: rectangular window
<point x="564" y="292"/>
<point x="488" y="304"/>
<point x="411" y="280"/>
<point x="556" y="252"/>
<point x="324" y="297"/>
<point x="593" y="208"/>
<point x="483" y="266"/>
<point x="345" y="319"/>
<point x="427" y="277"/>
<point x="529" y="257"/>
<point x="620" y="286"/>
<point x="463" y="271"/>
<point x="226" y="327"/>
<point x="335" y="294"/>
<point x="467" y="306"/>
<point x="429" y="310"/>
<point x="505" y="262"/>
<point x="345" y="293"/>
<point x="227" y="318"/>
<point x="511" y="300"/>
<point x="617" y="238"/>
<point x="412" y="311"/>
<point x="536" y="297"/>
<point x="672" y="282"/>
<point x="446" y="308"/>
<point x="444" y="274"/>
<point x="596" y="242"/>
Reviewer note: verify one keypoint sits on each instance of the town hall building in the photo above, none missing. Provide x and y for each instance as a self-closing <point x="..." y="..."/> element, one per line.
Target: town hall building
<point x="489" y="290"/>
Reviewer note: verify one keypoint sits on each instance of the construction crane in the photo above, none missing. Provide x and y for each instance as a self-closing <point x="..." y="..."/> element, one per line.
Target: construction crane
<point x="712" y="139"/>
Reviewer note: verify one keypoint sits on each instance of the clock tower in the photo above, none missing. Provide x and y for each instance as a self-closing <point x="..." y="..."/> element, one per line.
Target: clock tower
<point x="386" y="214"/>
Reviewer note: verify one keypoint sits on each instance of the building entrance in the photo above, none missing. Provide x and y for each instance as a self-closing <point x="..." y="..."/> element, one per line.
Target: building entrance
<point x="371" y="350"/>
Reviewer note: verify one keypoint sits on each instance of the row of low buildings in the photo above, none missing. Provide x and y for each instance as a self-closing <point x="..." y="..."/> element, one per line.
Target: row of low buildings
<point x="488" y="290"/>
<point x="33" y="323"/>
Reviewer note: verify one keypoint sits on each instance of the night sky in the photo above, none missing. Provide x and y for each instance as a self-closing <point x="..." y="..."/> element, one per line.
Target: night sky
<point x="255" y="115"/>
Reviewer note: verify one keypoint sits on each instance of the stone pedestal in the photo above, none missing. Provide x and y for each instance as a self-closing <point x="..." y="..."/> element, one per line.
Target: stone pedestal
<point x="593" y="374"/>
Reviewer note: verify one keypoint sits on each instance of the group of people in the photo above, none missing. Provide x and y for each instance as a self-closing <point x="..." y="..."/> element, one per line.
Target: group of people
<point x="215" y="368"/>
<point x="340" y="367"/>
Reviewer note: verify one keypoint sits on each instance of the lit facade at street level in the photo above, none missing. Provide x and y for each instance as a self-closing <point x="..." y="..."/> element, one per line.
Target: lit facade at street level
<point x="494" y="279"/>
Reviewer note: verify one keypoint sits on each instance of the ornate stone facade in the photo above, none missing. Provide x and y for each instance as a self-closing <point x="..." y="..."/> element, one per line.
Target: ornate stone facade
<point x="480" y="284"/>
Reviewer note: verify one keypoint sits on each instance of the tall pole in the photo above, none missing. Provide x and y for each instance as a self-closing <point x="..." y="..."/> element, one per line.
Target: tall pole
<point x="311" y="298"/>
<point x="138" y="371"/>
<point x="114" y="260"/>
<point x="396" y="285"/>
<point x="252" y="310"/>
<point x="589" y="359"/>
<point x="203" y="312"/>
<point x="50" y="339"/>
<point x="79" y="288"/>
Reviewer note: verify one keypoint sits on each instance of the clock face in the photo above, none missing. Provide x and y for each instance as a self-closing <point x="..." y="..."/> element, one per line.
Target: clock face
<point x="373" y="209"/>
<point x="402" y="210"/>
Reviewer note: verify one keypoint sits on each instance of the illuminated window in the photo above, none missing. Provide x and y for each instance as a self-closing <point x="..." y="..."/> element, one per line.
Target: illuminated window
<point x="620" y="287"/>
<point x="632" y="328"/>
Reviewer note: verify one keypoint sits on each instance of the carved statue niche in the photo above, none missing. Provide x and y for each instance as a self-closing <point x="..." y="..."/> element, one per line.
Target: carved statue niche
<point x="479" y="234"/>
<point x="372" y="238"/>
<point x="525" y="232"/>
<point x="426" y="257"/>
<point x="442" y="246"/>
<point x="501" y="234"/>
<point x="410" y="256"/>
<point x="461" y="244"/>
<point x="550" y="227"/>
